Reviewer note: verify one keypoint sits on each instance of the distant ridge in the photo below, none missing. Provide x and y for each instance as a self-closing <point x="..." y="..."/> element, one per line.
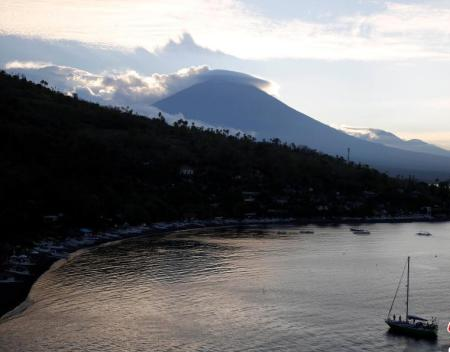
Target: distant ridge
<point x="244" y="107"/>
<point x="391" y="140"/>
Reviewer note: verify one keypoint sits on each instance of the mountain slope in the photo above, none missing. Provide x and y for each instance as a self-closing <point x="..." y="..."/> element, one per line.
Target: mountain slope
<point x="100" y="166"/>
<point x="391" y="140"/>
<point x="244" y="107"/>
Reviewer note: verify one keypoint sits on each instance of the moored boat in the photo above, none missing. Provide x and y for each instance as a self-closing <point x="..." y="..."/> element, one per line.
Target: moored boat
<point x="362" y="232"/>
<point x="412" y="324"/>
<point x="359" y="231"/>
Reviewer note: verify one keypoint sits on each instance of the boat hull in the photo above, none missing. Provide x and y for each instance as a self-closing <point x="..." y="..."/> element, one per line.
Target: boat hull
<point x="412" y="330"/>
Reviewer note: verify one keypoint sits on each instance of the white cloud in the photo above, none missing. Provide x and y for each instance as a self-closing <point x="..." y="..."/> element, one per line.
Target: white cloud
<point x="129" y="89"/>
<point x="119" y="88"/>
<point x="26" y="65"/>
<point x="361" y="132"/>
<point x="400" y="31"/>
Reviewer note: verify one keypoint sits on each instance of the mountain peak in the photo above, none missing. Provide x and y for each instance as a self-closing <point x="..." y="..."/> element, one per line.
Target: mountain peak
<point x="231" y="100"/>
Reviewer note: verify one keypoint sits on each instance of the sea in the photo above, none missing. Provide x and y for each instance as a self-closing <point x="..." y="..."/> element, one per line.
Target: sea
<point x="262" y="288"/>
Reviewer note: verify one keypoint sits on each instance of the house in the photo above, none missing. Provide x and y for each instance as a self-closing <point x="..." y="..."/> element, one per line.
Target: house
<point x="249" y="197"/>
<point x="369" y="194"/>
<point x="48" y="219"/>
<point x="86" y="231"/>
<point x="186" y="171"/>
<point x="281" y="200"/>
<point x="322" y="207"/>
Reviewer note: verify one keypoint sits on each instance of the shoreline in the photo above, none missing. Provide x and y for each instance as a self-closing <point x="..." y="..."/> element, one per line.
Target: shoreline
<point x="17" y="297"/>
<point x="15" y="294"/>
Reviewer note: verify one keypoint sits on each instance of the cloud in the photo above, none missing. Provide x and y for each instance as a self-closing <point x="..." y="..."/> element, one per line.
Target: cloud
<point x="362" y="132"/>
<point x="397" y="31"/>
<point x="26" y="65"/>
<point x="119" y="88"/>
<point x="128" y="88"/>
<point x="241" y="78"/>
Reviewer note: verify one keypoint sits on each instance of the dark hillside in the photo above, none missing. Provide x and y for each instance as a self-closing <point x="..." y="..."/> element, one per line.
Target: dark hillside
<point x="99" y="166"/>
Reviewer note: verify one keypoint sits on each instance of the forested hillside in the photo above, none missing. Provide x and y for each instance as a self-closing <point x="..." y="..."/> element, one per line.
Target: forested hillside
<point x="80" y="164"/>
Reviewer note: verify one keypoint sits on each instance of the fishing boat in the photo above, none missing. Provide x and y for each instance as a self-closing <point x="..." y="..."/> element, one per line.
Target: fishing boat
<point x="362" y="232"/>
<point x="9" y="279"/>
<point x="21" y="260"/>
<point x="359" y="231"/>
<point x="411" y="324"/>
<point x="18" y="270"/>
<point x="58" y="253"/>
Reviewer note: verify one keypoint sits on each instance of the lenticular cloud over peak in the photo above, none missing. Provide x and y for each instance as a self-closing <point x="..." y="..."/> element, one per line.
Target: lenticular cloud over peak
<point x="240" y="78"/>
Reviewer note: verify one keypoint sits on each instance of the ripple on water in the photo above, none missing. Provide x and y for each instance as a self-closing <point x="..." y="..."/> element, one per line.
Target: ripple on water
<point x="237" y="290"/>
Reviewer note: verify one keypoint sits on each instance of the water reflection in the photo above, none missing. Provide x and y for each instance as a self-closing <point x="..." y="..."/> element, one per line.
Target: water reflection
<point x="254" y="289"/>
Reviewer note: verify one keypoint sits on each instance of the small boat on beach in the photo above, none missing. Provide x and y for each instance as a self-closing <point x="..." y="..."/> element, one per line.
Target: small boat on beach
<point x="18" y="270"/>
<point x="423" y="233"/>
<point x="22" y="259"/>
<point x="45" y="247"/>
<point x="9" y="279"/>
<point x="412" y="324"/>
<point x="58" y="253"/>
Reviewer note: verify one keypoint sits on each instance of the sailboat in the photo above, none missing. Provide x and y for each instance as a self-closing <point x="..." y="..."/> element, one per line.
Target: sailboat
<point x="412" y="324"/>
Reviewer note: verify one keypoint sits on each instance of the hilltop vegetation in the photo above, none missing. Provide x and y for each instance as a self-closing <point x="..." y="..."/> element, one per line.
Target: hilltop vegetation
<point x="97" y="166"/>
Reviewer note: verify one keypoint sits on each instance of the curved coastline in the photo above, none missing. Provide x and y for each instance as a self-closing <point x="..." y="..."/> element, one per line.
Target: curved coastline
<point x="28" y="302"/>
<point x="172" y="228"/>
<point x="175" y="228"/>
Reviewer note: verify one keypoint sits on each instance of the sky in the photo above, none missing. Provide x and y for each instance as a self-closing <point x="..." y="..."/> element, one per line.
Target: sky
<point x="363" y="63"/>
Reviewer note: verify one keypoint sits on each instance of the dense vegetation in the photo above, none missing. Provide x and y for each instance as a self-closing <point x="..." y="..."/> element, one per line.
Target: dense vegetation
<point x="98" y="166"/>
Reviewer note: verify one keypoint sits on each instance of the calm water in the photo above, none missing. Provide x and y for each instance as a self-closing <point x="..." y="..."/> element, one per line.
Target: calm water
<point x="239" y="290"/>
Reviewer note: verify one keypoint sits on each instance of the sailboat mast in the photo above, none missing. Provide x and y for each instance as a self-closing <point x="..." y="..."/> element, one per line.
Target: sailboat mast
<point x="407" y="293"/>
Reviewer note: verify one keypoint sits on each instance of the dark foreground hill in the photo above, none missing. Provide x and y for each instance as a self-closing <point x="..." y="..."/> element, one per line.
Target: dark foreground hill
<point x="220" y="101"/>
<point x="81" y="164"/>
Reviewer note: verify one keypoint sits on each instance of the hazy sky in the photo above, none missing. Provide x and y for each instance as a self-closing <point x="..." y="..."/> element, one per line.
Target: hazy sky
<point x="369" y="63"/>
